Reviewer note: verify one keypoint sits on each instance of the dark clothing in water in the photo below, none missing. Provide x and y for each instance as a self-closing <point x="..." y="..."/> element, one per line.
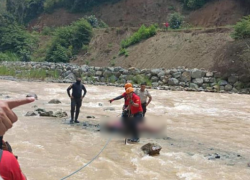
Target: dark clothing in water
<point x="131" y="124"/>
<point x="144" y="107"/>
<point x="76" y="101"/>
<point x="75" y="107"/>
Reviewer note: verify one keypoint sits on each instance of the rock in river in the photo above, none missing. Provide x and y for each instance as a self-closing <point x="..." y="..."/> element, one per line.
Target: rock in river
<point x="151" y="149"/>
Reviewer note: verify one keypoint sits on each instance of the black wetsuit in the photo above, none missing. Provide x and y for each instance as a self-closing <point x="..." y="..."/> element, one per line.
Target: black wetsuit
<point x="76" y="101"/>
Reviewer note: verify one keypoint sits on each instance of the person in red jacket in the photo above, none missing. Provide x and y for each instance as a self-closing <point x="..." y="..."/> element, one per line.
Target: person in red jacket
<point x="9" y="167"/>
<point x="136" y="113"/>
<point x="126" y="102"/>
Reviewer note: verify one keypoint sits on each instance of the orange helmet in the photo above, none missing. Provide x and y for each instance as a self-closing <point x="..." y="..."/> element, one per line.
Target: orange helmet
<point x="128" y="85"/>
<point x="129" y="90"/>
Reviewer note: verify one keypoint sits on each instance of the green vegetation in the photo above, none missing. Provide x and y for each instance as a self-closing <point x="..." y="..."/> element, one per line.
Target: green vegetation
<point x="138" y="79"/>
<point x="15" y="42"/>
<point x="194" y="4"/>
<point x="48" y="31"/>
<point x="175" y="20"/>
<point x="95" y="23"/>
<point x="8" y="56"/>
<point x="123" y="51"/>
<point x="25" y="10"/>
<point x="28" y="73"/>
<point x="69" y="40"/>
<point x="74" y="5"/>
<point x="143" y="33"/>
<point x="112" y="62"/>
<point x="242" y="29"/>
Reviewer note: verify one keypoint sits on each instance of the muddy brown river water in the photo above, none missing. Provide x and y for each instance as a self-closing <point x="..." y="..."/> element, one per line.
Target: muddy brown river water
<point x="200" y="126"/>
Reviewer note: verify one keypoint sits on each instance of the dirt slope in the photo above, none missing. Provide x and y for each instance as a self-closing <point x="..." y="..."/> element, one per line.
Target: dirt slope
<point x="135" y="13"/>
<point x="217" y="13"/>
<point x="167" y="49"/>
<point x="131" y="13"/>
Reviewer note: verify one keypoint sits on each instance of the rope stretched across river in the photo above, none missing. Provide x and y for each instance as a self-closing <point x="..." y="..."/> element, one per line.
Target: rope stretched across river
<point x="89" y="161"/>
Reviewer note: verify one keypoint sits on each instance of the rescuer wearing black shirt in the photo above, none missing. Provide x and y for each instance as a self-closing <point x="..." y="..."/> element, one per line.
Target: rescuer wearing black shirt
<point x="76" y="98"/>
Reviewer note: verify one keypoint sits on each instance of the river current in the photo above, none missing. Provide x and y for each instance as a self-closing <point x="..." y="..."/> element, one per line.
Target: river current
<point x="199" y="126"/>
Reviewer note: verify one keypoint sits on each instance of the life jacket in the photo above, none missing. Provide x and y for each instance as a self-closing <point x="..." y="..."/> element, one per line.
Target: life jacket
<point x="7" y="147"/>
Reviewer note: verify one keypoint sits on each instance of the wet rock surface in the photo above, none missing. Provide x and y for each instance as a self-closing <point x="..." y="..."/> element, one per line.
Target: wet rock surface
<point x="32" y="95"/>
<point x="55" y="101"/>
<point x="31" y="113"/>
<point x="151" y="149"/>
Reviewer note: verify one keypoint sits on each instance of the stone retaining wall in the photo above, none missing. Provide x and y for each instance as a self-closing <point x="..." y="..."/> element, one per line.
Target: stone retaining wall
<point x="165" y="79"/>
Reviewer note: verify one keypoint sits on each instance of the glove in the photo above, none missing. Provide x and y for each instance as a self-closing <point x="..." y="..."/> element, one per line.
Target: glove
<point x="111" y="100"/>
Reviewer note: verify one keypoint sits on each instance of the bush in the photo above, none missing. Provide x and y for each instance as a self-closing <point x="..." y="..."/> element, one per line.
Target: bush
<point x="123" y="51"/>
<point x="95" y="23"/>
<point x="143" y="33"/>
<point x="175" y="20"/>
<point x="138" y="79"/>
<point x="47" y="30"/>
<point x="8" y="56"/>
<point x="14" y="39"/>
<point x="194" y="4"/>
<point x="69" y="40"/>
<point x="242" y="29"/>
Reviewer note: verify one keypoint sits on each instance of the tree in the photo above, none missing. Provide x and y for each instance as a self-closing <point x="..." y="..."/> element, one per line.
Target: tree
<point x="175" y="20"/>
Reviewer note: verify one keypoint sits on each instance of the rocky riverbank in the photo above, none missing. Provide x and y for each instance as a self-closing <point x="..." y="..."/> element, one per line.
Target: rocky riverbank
<point x="177" y="79"/>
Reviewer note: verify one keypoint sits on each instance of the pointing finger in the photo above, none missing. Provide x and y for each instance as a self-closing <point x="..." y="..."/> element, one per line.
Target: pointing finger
<point x="15" y="103"/>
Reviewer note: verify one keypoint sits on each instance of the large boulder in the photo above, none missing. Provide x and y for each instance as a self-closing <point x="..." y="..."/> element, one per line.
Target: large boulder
<point x="60" y="114"/>
<point x="209" y="80"/>
<point x="222" y="83"/>
<point x="151" y="149"/>
<point x="155" y="84"/>
<point x="193" y="86"/>
<point x="154" y="79"/>
<point x="177" y="75"/>
<point x="209" y="74"/>
<point x="161" y="73"/>
<point x="205" y="85"/>
<point x="107" y="73"/>
<point x="70" y="77"/>
<point x="186" y="76"/>
<point x="238" y="85"/>
<point x="197" y="73"/>
<point x="46" y="113"/>
<point x="145" y="71"/>
<point x="133" y="71"/>
<point x="98" y="73"/>
<point x="155" y="71"/>
<point x="31" y="113"/>
<point x="55" y="101"/>
<point x="182" y="84"/>
<point x="198" y="81"/>
<point x="228" y="87"/>
<point x="232" y="79"/>
<point x="39" y="110"/>
<point x="76" y="72"/>
<point x="173" y="82"/>
<point x="244" y="78"/>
